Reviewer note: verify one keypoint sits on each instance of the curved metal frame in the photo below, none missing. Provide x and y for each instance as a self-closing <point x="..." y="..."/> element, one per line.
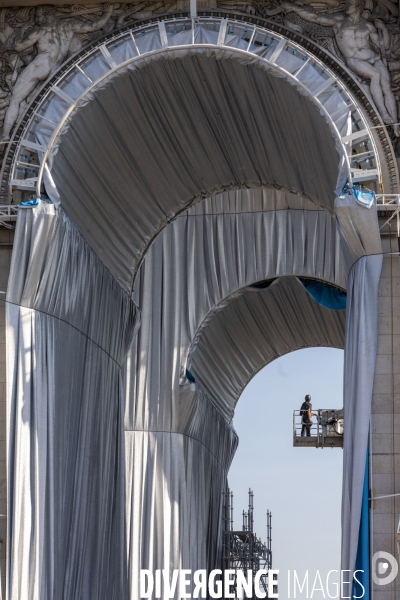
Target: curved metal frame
<point x="324" y="84"/>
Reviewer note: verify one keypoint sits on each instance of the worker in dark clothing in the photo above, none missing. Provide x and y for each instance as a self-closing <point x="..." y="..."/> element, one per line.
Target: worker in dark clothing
<point x="306" y="416"/>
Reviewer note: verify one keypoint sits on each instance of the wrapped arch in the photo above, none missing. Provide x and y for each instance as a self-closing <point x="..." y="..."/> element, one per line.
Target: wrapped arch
<point x="179" y="179"/>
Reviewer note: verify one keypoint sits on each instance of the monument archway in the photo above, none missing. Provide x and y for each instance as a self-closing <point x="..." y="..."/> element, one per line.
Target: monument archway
<point x="168" y="181"/>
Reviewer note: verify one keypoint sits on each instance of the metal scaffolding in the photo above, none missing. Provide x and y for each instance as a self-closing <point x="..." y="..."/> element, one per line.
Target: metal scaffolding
<point x="243" y="550"/>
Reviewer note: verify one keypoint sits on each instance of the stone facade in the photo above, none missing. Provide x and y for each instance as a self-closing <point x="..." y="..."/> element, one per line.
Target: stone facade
<point x="6" y="239"/>
<point x="385" y="420"/>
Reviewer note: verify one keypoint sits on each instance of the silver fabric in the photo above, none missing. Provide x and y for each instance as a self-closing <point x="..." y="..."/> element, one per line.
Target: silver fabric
<point x="175" y="482"/>
<point x="158" y="140"/>
<point x="69" y="326"/>
<point x="358" y="230"/>
<point x="359" y="368"/>
<point x="362" y="254"/>
<point x="191" y="289"/>
<point x="121" y="180"/>
<point x="251" y="329"/>
<point x="201" y="259"/>
<point x="211" y="253"/>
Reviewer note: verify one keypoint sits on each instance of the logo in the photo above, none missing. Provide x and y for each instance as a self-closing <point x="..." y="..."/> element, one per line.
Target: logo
<point x="382" y="563"/>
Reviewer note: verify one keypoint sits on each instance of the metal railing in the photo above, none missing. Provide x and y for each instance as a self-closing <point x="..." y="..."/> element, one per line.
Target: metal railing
<point x="295" y="63"/>
<point x="325" y="429"/>
<point x="388" y="205"/>
<point x="8" y="212"/>
<point x="8" y="215"/>
<point x="387" y="201"/>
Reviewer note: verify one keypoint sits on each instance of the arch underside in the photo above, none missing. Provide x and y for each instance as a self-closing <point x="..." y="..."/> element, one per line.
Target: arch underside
<point x="253" y="329"/>
<point x="205" y="256"/>
<point x="165" y="115"/>
<point x="198" y="312"/>
<point x="315" y="72"/>
<point x="177" y="130"/>
<point x="195" y="278"/>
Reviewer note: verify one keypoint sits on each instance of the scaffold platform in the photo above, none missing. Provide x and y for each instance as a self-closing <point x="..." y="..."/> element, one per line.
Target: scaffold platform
<point x="325" y="430"/>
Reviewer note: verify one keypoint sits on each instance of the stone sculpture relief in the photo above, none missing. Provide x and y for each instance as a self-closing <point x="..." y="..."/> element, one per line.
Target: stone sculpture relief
<point x="53" y="38"/>
<point x="363" y="50"/>
<point x="364" y="35"/>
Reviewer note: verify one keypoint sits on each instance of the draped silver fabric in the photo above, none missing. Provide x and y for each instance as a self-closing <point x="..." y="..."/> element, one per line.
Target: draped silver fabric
<point x="201" y="259"/>
<point x="174" y="131"/>
<point x="362" y="253"/>
<point x="251" y="329"/>
<point x="69" y="326"/>
<point x="359" y="368"/>
<point x="358" y="228"/>
<point x="211" y="253"/>
<point x="199" y="313"/>
<point x="175" y="482"/>
<point x="119" y="465"/>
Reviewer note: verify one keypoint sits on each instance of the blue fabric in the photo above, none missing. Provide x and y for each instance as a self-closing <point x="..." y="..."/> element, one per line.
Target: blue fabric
<point x="28" y="203"/>
<point x="326" y="295"/>
<point x="190" y="376"/>
<point x="364" y="196"/>
<point x="362" y="560"/>
<point x="360" y="193"/>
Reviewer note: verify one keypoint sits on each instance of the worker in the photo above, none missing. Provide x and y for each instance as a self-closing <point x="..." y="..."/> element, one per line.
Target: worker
<point x="306" y="416"/>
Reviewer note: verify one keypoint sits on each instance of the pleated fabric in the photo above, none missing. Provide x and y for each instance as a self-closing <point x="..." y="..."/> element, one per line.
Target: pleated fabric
<point x="200" y="312"/>
<point x="175" y="482"/>
<point x="116" y="461"/>
<point x="179" y="440"/>
<point x="117" y="468"/>
<point x="359" y="369"/>
<point x="69" y="326"/>
<point x="252" y="328"/>
<point x="197" y="262"/>
<point x="169" y="132"/>
<point x="362" y="254"/>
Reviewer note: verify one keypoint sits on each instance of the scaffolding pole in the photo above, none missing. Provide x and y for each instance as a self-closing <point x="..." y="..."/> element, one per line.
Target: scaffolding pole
<point x="243" y="550"/>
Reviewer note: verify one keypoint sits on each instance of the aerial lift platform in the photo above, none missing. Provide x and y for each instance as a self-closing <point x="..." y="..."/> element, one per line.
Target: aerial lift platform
<point x="326" y="430"/>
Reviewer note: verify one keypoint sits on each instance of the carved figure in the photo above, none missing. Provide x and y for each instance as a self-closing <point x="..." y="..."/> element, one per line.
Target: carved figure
<point x="53" y="38"/>
<point x="361" y="44"/>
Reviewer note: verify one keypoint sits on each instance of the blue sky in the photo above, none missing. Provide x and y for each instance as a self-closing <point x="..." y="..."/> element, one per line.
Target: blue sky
<point x="301" y="486"/>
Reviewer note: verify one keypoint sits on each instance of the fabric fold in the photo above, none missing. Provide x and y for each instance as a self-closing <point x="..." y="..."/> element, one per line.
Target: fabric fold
<point x="179" y="439"/>
<point x="69" y="327"/>
<point x="359" y="369"/>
